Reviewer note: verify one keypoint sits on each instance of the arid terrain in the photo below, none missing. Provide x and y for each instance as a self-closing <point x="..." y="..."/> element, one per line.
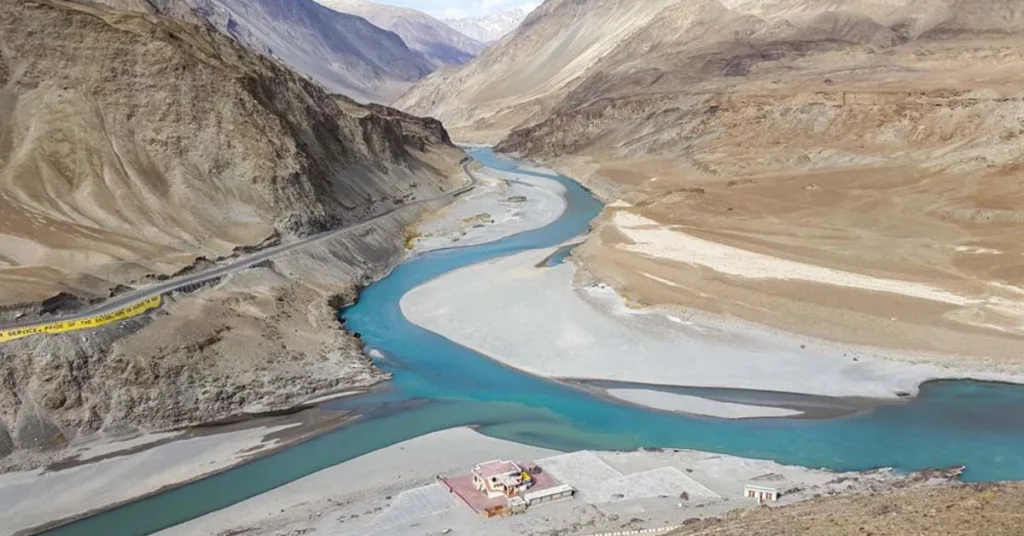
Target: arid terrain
<point x="439" y="43"/>
<point x="346" y="53"/>
<point x="490" y="28"/>
<point x="962" y="509"/>
<point x="848" y="170"/>
<point x="135" y="146"/>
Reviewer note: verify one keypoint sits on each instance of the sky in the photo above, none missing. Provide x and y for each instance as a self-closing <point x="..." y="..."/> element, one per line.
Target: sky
<point x="457" y="9"/>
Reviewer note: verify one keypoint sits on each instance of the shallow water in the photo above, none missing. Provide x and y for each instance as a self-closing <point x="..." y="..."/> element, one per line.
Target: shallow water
<point x="438" y="384"/>
<point x="560" y="255"/>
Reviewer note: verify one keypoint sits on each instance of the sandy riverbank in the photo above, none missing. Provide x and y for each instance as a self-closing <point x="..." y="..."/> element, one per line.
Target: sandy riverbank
<point x="502" y="204"/>
<point x="393" y="491"/>
<point x="114" y="472"/>
<point x="562" y="330"/>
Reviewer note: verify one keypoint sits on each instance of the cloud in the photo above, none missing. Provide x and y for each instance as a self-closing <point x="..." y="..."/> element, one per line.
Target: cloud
<point x="456" y="9"/>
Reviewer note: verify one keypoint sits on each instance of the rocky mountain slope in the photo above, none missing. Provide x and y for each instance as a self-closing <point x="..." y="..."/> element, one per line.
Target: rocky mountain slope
<point x="344" y="52"/>
<point x="438" y="42"/>
<point x="522" y="78"/>
<point x="863" y="148"/>
<point x="132" y="145"/>
<point x="954" y="510"/>
<point x="490" y="28"/>
<point x="189" y="146"/>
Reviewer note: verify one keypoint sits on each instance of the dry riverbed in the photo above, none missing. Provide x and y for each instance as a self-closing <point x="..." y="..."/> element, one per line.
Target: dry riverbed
<point x="502" y="204"/>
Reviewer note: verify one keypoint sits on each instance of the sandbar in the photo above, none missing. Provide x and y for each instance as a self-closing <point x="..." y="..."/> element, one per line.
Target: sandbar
<point x="536" y="320"/>
<point x="502" y="204"/>
<point x="696" y="405"/>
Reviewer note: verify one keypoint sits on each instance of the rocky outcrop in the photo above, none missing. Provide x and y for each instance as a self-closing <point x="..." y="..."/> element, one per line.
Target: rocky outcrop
<point x="419" y="132"/>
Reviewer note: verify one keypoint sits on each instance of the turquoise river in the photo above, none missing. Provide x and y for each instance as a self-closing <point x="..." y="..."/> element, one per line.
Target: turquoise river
<point x="439" y="384"/>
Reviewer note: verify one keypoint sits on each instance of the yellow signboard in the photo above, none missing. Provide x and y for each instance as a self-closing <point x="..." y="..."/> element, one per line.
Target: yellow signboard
<point x="123" y="313"/>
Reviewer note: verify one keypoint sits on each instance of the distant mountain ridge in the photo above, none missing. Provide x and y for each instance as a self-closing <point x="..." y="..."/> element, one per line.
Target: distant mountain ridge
<point x="569" y="53"/>
<point x="492" y="27"/>
<point x="346" y="53"/>
<point x="438" y="42"/>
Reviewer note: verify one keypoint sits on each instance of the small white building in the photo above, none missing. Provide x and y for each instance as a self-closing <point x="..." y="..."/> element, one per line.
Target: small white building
<point x="761" y="494"/>
<point x="499" y="478"/>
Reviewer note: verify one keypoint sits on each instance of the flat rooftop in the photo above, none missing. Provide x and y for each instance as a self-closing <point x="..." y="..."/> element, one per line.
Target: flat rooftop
<point x="496" y="468"/>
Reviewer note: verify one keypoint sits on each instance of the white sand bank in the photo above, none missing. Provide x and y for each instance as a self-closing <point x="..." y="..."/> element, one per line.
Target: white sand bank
<point x="501" y="205"/>
<point x="696" y="405"/>
<point x="393" y="491"/>
<point x="654" y="240"/>
<point x="100" y="447"/>
<point x="32" y="498"/>
<point x="532" y="319"/>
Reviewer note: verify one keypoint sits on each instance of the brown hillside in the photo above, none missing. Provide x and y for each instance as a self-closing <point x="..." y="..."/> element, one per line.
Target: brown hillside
<point x="957" y="510"/>
<point x="132" y="144"/>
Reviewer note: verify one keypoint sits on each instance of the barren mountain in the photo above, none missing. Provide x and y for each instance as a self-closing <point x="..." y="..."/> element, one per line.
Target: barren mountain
<point x="438" y="42"/>
<point x="132" y="146"/>
<point x="186" y="146"/>
<point x="490" y="28"/>
<point x="523" y="77"/>
<point x="848" y="169"/>
<point x="344" y="52"/>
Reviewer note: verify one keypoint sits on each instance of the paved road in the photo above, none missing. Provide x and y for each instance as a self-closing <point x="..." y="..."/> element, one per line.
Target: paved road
<point x="215" y="272"/>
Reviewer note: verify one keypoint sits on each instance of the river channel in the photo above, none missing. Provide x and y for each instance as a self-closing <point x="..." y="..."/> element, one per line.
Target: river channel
<point x="439" y="384"/>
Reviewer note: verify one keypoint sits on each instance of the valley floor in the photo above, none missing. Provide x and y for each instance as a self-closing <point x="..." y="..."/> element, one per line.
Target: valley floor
<point x="568" y="326"/>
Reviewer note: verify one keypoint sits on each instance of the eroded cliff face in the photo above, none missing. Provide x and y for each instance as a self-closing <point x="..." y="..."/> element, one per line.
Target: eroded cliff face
<point x="132" y="145"/>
